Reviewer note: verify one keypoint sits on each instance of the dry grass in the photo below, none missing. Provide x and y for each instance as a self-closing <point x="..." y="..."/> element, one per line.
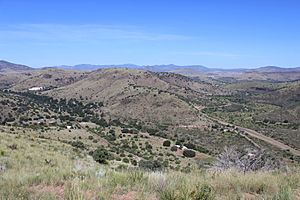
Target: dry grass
<point x="72" y="175"/>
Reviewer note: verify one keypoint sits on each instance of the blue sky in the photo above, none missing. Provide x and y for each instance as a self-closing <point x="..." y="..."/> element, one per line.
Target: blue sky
<point x="214" y="33"/>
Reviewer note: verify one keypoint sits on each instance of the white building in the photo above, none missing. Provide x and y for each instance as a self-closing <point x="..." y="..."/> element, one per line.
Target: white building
<point x="35" y="88"/>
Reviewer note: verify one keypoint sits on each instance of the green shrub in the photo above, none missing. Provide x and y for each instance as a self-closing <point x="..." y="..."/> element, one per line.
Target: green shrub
<point x="125" y="160"/>
<point x="101" y="155"/>
<point x="132" y="131"/>
<point x="190" y="145"/>
<point x="136" y="176"/>
<point x="78" y="144"/>
<point x="167" y="143"/>
<point x="168" y="195"/>
<point x="202" y="149"/>
<point x="204" y="192"/>
<point x="112" y="131"/>
<point x="189" y="153"/>
<point x="2" y="152"/>
<point x="153" y="165"/>
<point x="148" y="146"/>
<point x="122" y="155"/>
<point x="151" y="131"/>
<point x="285" y="193"/>
<point x="126" y="130"/>
<point x="133" y="162"/>
<point x="118" y="159"/>
<point x="174" y="148"/>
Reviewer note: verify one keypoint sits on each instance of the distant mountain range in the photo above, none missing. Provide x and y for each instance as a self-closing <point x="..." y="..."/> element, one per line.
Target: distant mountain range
<point x="7" y="66"/>
<point x="276" y="69"/>
<point x="188" y="69"/>
<point x="156" y="68"/>
<point x="175" y="68"/>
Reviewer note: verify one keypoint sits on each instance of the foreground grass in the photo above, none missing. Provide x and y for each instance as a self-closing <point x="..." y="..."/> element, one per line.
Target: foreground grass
<point x="42" y="169"/>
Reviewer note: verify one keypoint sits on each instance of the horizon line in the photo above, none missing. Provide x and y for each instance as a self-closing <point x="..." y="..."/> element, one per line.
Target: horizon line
<point x="149" y="65"/>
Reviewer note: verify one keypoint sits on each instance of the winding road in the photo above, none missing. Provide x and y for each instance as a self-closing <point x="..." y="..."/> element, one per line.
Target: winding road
<point x="255" y="134"/>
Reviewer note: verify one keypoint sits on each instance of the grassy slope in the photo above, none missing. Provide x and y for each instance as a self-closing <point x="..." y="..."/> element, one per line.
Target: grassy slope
<point x="72" y="175"/>
<point x="202" y="136"/>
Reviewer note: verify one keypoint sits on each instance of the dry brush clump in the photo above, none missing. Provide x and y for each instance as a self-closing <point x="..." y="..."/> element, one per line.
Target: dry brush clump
<point x="245" y="161"/>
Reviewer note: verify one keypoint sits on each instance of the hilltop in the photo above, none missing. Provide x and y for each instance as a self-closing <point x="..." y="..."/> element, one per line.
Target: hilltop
<point x="9" y="67"/>
<point x="139" y="94"/>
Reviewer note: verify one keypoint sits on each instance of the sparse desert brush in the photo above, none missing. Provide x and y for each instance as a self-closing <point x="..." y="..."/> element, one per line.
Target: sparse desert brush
<point x="204" y="192"/>
<point x="73" y="191"/>
<point x="285" y="193"/>
<point x="136" y="176"/>
<point x="157" y="181"/>
<point x="66" y="175"/>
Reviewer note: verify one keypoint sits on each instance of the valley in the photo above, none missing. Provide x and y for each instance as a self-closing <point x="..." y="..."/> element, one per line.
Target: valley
<point x="132" y="119"/>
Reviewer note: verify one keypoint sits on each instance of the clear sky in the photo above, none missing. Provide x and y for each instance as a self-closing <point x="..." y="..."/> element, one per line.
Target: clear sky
<point x="214" y="33"/>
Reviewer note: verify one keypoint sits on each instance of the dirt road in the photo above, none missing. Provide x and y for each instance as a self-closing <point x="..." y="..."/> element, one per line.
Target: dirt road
<point x="255" y="134"/>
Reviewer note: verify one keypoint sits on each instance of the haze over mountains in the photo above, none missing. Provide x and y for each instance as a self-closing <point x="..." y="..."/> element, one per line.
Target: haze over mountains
<point x="8" y="66"/>
<point x="172" y="67"/>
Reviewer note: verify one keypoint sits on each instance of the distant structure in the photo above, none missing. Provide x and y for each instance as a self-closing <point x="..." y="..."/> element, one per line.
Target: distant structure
<point x="36" y="89"/>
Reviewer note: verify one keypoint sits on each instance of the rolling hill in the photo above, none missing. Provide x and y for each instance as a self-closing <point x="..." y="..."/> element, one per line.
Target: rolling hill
<point x="135" y="94"/>
<point x="47" y="78"/>
<point x="9" y="67"/>
<point x="161" y="104"/>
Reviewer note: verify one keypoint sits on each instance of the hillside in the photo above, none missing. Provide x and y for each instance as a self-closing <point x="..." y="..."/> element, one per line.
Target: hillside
<point x="135" y="94"/>
<point x="120" y="133"/>
<point x="47" y="78"/>
<point x="271" y="108"/>
<point x="9" y="67"/>
<point x="160" y="104"/>
<point x="276" y="69"/>
<point x="137" y="110"/>
<point x="55" y="170"/>
<point x="11" y="73"/>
